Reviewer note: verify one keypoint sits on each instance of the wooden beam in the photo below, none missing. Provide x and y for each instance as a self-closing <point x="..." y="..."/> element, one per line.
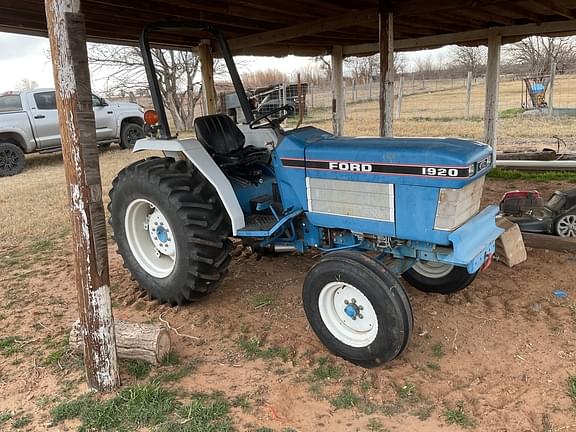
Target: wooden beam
<point x="545" y="241"/>
<point x="338" y="101"/>
<point x="80" y="153"/>
<point x="207" y="69"/>
<point x="554" y="27"/>
<point x="386" y="73"/>
<point x="491" y="101"/>
<point x="557" y="8"/>
<point x="425" y="7"/>
<point x="299" y="30"/>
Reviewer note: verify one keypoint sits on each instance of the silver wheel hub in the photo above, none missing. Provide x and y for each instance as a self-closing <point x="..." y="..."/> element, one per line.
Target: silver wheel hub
<point x="566" y="226"/>
<point x="348" y="314"/>
<point x="150" y="238"/>
<point x="432" y="270"/>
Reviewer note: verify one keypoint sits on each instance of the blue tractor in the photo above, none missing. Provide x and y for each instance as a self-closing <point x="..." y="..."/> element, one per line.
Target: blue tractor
<point x="377" y="208"/>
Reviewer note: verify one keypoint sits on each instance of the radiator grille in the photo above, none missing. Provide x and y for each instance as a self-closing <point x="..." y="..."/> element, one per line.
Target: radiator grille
<point x="351" y="198"/>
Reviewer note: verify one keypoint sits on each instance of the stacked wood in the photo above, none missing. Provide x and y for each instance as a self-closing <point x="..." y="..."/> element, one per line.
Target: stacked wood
<point x="548" y="241"/>
<point x="147" y="342"/>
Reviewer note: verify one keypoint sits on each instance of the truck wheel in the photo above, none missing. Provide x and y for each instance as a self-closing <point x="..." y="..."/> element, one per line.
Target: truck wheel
<point x="438" y="278"/>
<point x="129" y="134"/>
<point x="12" y="159"/>
<point x="566" y="225"/>
<point x="358" y="308"/>
<point x="171" y="229"/>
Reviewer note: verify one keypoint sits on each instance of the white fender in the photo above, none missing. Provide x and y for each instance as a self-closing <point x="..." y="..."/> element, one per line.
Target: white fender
<point x="202" y="160"/>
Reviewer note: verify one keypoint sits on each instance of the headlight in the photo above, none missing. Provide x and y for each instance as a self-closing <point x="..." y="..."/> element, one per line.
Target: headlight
<point x="456" y="206"/>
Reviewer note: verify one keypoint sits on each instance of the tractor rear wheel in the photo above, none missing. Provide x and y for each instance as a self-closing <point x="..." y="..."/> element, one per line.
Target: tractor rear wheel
<point x="171" y="229"/>
<point x="438" y="278"/>
<point x="358" y="308"/>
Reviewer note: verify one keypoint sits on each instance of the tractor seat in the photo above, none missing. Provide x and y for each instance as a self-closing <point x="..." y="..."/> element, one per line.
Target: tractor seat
<point x="225" y="142"/>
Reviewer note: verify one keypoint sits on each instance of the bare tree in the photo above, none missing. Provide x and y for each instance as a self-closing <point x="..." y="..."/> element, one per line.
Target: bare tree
<point x="470" y="59"/>
<point x="325" y="66"/>
<point x="536" y="54"/>
<point x="177" y="77"/>
<point x="26" y="84"/>
<point x="365" y="69"/>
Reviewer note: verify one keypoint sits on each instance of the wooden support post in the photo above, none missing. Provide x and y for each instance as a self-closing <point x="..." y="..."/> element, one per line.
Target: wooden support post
<point x="468" y="95"/>
<point x="386" y="70"/>
<point x="492" y="81"/>
<point x="338" y="100"/>
<point x="207" y="69"/>
<point x="80" y="153"/>
<point x="551" y="89"/>
<point x="400" y="96"/>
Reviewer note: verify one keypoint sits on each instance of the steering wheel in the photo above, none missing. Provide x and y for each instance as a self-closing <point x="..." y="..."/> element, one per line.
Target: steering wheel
<point x="289" y="109"/>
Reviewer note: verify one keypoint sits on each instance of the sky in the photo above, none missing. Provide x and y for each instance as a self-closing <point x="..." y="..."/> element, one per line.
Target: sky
<point x="24" y="57"/>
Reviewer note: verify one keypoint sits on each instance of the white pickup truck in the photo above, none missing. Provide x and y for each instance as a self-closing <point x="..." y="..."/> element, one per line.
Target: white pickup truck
<point x="29" y="124"/>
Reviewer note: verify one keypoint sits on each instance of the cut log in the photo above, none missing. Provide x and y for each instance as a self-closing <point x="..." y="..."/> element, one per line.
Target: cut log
<point x="548" y="241"/>
<point x="147" y="342"/>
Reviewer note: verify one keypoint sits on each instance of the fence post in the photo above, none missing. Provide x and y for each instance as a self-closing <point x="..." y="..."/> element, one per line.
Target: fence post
<point x="353" y="90"/>
<point x="400" y="95"/>
<point x="468" y="94"/>
<point x="370" y="88"/>
<point x="311" y="95"/>
<point x="551" y="91"/>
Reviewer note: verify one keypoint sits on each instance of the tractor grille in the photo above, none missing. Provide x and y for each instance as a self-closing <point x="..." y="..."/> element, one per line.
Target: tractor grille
<point x="351" y="198"/>
<point x="456" y="206"/>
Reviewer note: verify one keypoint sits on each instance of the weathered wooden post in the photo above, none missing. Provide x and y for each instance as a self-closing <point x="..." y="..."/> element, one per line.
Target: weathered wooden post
<point x="339" y="95"/>
<point x="207" y="69"/>
<point x="400" y="96"/>
<point x="468" y="95"/>
<point x="551" y="90"/>
<point x="80" y="153"/>
<point x="492" y="82"/>
<point x="386" y="38"/>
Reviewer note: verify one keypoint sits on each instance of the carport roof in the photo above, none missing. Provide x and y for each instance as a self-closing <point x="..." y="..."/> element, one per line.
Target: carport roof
<point x="307" y="27"/>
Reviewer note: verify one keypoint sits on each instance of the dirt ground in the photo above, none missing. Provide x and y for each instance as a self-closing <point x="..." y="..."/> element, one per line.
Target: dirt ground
<point x="498" y="354"/>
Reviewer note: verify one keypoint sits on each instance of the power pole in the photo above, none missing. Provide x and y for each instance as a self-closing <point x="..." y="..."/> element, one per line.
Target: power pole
<point x="67" y="35"/>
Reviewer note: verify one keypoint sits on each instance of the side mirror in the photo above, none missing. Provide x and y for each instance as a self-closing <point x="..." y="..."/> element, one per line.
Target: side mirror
<point x="103" y="102"/>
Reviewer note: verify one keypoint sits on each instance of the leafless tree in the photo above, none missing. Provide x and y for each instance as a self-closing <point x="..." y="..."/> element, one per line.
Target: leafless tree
<point x="325" y="66"/>
<point x="537" y="54"/>
<point x="470" y="59"/>
<point x="26" y="84"/>
<point x="177" y="71"/>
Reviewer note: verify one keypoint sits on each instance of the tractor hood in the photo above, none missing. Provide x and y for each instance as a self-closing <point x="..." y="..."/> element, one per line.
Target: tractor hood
<point x="450" y="161"/>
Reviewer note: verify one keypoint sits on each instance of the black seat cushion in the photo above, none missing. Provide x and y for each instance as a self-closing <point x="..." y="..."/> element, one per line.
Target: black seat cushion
<point x="219" y="134"/>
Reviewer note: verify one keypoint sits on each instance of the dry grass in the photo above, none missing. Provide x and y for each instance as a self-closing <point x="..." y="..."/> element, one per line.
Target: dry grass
<point x="34" y="204"/>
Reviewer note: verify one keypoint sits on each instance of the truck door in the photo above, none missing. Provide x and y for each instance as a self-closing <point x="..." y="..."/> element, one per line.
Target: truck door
<point x="44" y="117"/>
<point x="105" y="119"/>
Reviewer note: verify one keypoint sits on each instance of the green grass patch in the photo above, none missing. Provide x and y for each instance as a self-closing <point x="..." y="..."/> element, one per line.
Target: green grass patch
<point x="204" y="413"/>
<point x="535" y="176"/>
<point x="41" y="246"/>
<point x="176" y="374"/>
<point x="5" y="416"/>
<point x="510" y="113"/>
<point x="345" y="399"/>
<point x="137" y="368"/>
<point x="407" y="391"/>
<point x="433" y="366"/>
<point x="375" y="425"/>
<point x="261" y="300"/>
<point x="438" y="350"/>
<point x="132" y="408"/>
<point x="22" y="421"/>
<point x="571" y="382"/>
<point x="170" y="359"/>
<point x="9" y="345"/>
<point x="253" y="349"/>
<point x="326" y="370"/>
<point x="458" y="416"/>
<point x="61" y="351"/>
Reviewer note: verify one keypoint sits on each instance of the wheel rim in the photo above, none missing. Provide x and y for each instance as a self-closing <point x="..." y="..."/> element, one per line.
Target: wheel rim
<point x="432" y="270"/>
<point x="150" y="238"/>
<point x="133" y="134"/>
<point x="348" y="314"/>
<point x="8" y="160"/>
<point x="566" y="226"/>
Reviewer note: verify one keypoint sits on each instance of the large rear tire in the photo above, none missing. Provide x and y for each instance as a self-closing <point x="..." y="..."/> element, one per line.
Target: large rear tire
<point x="357" y="308"/>
<point x="12" y="159"/>
<point x="438" y="278"/>
<point x="171" y="229"/>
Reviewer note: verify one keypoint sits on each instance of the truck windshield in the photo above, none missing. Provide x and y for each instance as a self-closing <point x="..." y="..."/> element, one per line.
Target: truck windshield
<point x="10" y="103"/>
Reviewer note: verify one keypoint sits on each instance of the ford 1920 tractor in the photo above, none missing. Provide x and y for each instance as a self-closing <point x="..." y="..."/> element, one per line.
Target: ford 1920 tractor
<point x="376" y="208"/>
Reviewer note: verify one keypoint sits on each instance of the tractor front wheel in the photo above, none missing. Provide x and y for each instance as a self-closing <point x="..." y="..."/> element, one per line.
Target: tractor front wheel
<point x="357" y="308"/>
<point x="440" y="278"/>
<point x="171" y="229"/>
